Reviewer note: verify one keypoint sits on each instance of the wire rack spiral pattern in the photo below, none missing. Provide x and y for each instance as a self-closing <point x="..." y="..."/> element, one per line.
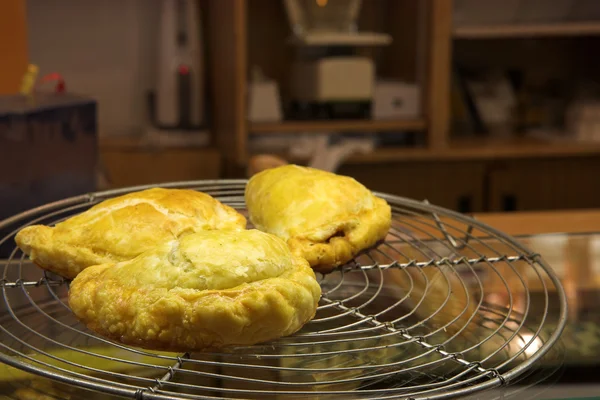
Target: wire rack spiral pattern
<point x="445" y="306"/>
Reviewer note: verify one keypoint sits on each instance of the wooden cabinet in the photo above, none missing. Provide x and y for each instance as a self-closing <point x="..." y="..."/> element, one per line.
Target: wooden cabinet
<point x="127" y="163"/>
<point x="455" y="185"/>
<point x="528" y="185"/>
<point x="479" y="186"/>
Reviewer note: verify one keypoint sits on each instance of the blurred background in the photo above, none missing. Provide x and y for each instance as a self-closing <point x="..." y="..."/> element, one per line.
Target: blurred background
<point x="486" y="107"/>
<point x="475" y="105"/>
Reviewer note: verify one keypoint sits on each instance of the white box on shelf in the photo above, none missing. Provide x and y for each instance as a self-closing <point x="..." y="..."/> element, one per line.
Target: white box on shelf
<point x="395" y="100"/>
<point x="327" y="79"/>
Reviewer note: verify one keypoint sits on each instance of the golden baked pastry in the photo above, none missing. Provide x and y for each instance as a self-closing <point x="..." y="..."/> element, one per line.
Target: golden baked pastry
<point x="123" y="227"/>
<point x="324" y="217"/>
<point x="204" y="290"/>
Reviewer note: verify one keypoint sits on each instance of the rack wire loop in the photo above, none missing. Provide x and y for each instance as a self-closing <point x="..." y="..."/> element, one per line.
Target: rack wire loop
<point x="446" y="306"/>
<point x="451" y="239"/>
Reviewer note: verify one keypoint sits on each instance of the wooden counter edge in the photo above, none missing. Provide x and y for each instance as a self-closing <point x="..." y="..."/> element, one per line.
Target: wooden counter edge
<point x="543" y="222"/>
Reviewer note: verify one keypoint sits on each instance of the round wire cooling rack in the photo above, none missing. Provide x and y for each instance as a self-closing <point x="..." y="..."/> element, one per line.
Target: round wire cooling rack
<point x="446" y="306"/>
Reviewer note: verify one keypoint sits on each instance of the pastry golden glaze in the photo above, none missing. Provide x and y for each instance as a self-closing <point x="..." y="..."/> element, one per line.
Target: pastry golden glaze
<point x="324" y="217"/>
<point x="121" y="228"/>
<point x="205" y="290"/>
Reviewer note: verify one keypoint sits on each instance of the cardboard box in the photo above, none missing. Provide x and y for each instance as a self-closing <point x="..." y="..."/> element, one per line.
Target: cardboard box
<point x="48" y="149"/>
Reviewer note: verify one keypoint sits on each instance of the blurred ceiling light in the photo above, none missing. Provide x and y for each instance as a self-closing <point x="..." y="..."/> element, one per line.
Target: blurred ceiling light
<point x="322" y="3"/>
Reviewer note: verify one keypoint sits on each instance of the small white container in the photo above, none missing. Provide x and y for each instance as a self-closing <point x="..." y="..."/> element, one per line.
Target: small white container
<point x="264" y="103"/>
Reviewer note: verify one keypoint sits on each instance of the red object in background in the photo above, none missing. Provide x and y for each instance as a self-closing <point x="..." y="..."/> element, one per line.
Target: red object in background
<point x="184" y="69"/>
<point x="54" y="76"/>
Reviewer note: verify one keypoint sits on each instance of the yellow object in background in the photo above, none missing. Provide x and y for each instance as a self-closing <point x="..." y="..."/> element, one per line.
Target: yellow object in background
<point x="28" y="81"/>
<point x="13" y="45"/>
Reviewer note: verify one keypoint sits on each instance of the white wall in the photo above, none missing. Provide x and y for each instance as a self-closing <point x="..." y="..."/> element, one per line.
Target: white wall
<point x="103" y="48"/>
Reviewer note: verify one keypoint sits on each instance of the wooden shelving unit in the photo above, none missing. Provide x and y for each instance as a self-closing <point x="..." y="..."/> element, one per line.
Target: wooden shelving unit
<point x="421" y="31"/>
<point x="239" y="39"/>
<point x="467" y="174"/>
<point x="562" y="29"/>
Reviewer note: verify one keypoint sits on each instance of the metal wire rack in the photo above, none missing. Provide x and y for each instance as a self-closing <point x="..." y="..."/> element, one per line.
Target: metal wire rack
<point x="446" y="306"/>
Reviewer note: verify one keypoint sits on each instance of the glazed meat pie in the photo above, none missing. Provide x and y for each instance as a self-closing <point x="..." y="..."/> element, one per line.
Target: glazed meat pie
<point x="121" y="228"/>
<point x="325" y="218"/>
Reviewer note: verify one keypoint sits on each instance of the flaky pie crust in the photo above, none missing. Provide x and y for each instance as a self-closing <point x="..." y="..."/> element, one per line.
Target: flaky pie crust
<point x="205" y="290"/>
<point x="123" y="227"/>
<point x="325" y="218"/>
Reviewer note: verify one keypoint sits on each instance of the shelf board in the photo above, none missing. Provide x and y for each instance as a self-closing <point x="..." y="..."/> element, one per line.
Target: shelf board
<point x="147" y="143"/>
<point x="527" y="30"/>
<point x="336" y="126"/>
<point x="342" y="39"/>
<point x="473" y="149"/>
<point x="482" y="149"/>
